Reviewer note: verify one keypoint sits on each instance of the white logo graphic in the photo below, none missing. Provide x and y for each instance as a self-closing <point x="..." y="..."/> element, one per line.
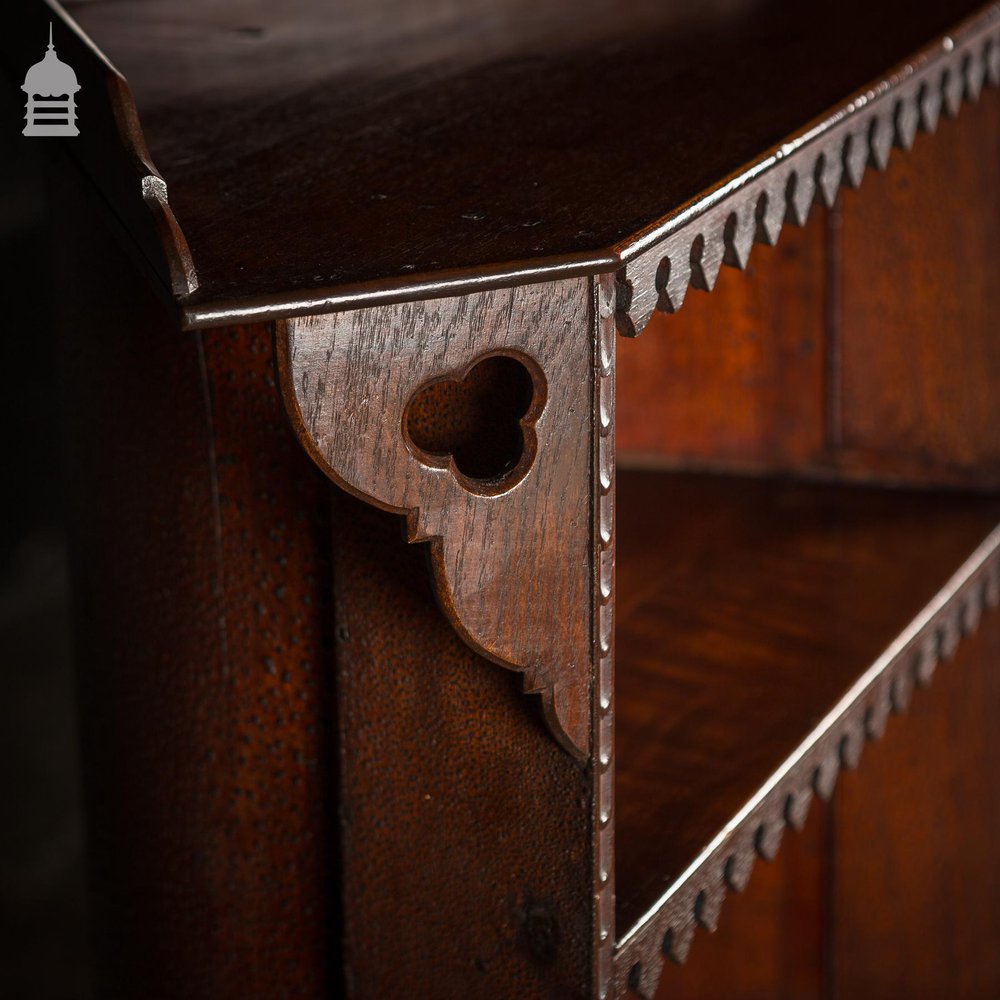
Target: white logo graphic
<point x="51" y="88"/>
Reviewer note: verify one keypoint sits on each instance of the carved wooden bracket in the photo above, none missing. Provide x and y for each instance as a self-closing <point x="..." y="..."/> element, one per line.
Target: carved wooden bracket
<point x="511" y="555"/>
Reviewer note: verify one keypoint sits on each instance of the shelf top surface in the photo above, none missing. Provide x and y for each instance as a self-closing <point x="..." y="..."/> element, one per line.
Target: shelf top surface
<point x="309" y="144"/>
<point x="741" y="622"/>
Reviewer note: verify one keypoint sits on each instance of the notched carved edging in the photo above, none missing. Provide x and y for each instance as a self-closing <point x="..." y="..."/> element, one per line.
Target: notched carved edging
<point x="503" y="561"/>
<point x="837" y="743"/>
<point x="603" y="626"/>
<point x="802" y="170"/>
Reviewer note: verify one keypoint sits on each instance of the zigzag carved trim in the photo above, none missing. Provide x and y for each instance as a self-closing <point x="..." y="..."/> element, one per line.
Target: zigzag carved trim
<point x="838" y="740"/>
<point x="721" y="227"/>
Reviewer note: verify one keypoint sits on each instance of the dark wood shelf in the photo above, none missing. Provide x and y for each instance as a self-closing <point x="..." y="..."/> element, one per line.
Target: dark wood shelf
<point x="763" y="626"/>
<point x="316" y="146"/>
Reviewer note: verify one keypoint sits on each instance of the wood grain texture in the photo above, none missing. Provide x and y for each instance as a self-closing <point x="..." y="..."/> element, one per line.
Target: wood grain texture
<point x="811" y="166"/>
<point x="384" y="119"/>
<point x="890" y="889"/>
<point x="511" y="558"/>
<point x="736" y="378"/>
<point x="467" y="831"/>
<point x="770" y="943"/>
<point x="862" y="347"/>
<point x="204" y="623"/>
<point x="765" y="630"/>
<point x="920" y="351"/>
<point x="916" y="896"/>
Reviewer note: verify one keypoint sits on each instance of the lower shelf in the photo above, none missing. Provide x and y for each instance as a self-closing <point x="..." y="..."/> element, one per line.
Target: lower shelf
<point x="765" y="629"/>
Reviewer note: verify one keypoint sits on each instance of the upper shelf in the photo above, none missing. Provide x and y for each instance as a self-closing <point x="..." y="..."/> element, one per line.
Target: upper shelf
<point x="319" y="154"/>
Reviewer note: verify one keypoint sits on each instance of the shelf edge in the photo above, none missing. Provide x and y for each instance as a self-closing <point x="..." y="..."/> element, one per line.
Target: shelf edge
<point x="687" y="248"/>
<point x="696" y="896"/>
<point x="655" y="266"/>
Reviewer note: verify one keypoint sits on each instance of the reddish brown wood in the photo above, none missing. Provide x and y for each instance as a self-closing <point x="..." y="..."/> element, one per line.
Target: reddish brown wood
<point x="837" y="355"/>
<point x="500" y="524"/>
<point x="233" y="100"/>
<point x="498" y="546"/>
<point x="916" y="900"/>
<point x="475" y="854"/>
<point x="770" y="943"/>
<point x="906" y="901"/>
<point x="689" y="247"/>
<point x="920" y="352"/>
<point x="746" y="611"/>
<point x="467" y="829"/>
<point x="603" y="761"/>
<point x="204" y="618"/>
<point x="736" y="378"/>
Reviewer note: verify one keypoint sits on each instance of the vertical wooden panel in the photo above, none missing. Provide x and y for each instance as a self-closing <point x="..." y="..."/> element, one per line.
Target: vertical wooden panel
<point x="736" y="377"/>
<point x="466" y="827"/>
<point x="921" y="305"/>
<point x="202" y="595"/>
<point x="916" y="903"/>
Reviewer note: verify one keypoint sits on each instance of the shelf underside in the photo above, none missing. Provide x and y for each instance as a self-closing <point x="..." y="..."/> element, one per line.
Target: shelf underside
<point x="746" y="611"/>
<point x="311" y="145"/>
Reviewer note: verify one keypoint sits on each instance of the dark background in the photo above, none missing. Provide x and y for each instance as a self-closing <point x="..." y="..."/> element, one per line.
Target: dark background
<point x="42" y="903"/>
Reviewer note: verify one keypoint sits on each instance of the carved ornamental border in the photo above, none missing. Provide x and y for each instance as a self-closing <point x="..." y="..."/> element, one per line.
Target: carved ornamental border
<point x="329" y="398"/>
<point x="721" y="227"/>
<point x="837" y="741"/>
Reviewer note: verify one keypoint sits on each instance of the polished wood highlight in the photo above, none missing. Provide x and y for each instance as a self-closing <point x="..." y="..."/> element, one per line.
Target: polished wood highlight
<point x="602" y="757"/>
<point x="810" y="166"/>
<point x="765" y="628"/>
<point x="772" y="942"/>
<point x="916" y="882"/>
<point x="382" y="120"/>
<point x="890" y="889"/>
<point x="381" y="306"/>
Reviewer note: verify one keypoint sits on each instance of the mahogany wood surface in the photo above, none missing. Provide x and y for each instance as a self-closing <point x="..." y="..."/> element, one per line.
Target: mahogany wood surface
<point x="472" y="136"/>
<point x="746" y="609"/>
<point x="916" y="892"/>
<point x="200" y="538"/>
<point x="738" y="378"/>
<point x="862" y="346"/>
<point x="919" y="346"/>
<point x="288" y="758"/>
<point x="467" y="838"/>
<point x="891" y="889"/>
<point x="772" y="942"/>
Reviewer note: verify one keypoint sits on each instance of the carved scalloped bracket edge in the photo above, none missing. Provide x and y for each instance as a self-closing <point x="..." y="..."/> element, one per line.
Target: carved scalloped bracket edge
<point x="537" y="625"/>
<point x="720" y="227"/>
<point x="837" y="742"/>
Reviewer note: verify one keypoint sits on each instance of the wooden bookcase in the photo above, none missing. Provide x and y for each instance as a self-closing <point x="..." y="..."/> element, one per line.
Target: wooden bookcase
<point x="438" y="634"/>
